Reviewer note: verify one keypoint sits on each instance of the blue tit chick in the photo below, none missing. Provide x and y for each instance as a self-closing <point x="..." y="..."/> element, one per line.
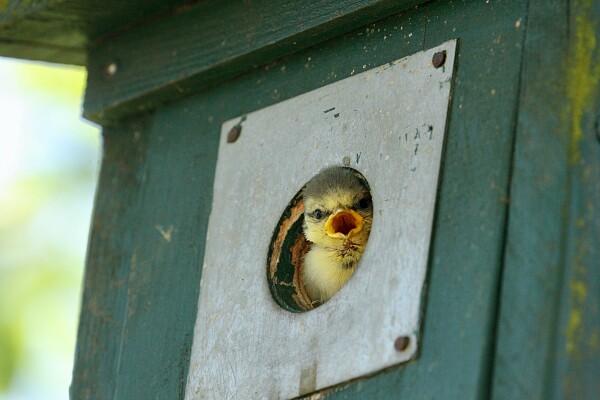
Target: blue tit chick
<point x="338" y="213"/>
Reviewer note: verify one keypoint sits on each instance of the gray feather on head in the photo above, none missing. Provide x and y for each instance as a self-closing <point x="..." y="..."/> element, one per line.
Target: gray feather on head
<point x="333" y="178"/>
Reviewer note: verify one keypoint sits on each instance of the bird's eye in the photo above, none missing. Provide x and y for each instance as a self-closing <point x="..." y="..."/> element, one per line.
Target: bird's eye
<point x="317" y="214"/>
<point x="364" y="203"/>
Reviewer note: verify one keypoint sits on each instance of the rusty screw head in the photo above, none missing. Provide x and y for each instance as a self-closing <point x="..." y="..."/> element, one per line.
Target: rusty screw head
<point x="401" y="343"/>
<point x="234" y="134"/>
<point x="439" y="59"/>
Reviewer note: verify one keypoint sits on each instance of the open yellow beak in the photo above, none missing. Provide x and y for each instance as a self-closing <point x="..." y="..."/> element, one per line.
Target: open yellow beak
<point x="344" y="224"/>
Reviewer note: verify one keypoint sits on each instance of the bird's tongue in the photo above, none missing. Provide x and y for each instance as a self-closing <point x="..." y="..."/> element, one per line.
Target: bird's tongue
<point x="343" y="223"/>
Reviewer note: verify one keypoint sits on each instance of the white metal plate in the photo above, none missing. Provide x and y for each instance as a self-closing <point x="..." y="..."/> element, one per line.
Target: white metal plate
<point x="390" y="121"/>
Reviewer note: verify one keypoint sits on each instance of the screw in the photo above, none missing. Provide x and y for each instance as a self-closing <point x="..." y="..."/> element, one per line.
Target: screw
<point x="234" y="134"/>
<point x="439" y="59"/>
<point x="401" y="343"/>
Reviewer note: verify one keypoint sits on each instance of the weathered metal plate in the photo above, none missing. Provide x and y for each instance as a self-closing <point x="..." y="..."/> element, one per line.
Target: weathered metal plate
<point x="390" y="121"/>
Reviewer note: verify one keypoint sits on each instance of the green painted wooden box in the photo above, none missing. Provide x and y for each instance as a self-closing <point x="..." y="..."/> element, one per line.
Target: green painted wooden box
<point x="513" y="289"/>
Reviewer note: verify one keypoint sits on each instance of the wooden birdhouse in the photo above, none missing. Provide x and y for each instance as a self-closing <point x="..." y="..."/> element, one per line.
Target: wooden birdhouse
<point x="473" y="126"/>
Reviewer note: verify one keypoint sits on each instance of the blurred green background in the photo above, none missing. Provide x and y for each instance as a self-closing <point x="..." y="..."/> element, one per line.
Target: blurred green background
<point x="48" y="169"/>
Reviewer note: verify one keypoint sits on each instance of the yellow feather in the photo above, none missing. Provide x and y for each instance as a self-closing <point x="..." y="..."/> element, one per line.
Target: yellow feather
<point x="322" y="275"/>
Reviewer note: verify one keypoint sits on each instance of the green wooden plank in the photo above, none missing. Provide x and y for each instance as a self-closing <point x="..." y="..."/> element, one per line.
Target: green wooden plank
<point x="108" y="263"/>
<point x="548" y="331"/>
<point x="166" y="256"/>
<point x="209" y="43"/>
<point x="62" y="30"/>
<point x="576" y="369"/>
<point x="533" y="260"/>
<point x="143" y="269"/>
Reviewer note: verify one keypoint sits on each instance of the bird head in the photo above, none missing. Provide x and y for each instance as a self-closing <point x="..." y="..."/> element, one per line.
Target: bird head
<point x="338" y="210"/>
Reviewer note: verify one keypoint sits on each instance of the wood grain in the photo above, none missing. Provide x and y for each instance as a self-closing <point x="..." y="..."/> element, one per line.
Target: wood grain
<point x="109" y="257"/>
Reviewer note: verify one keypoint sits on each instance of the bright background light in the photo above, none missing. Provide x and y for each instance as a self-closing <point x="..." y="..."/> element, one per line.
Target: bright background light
<point x="48" y="168"/>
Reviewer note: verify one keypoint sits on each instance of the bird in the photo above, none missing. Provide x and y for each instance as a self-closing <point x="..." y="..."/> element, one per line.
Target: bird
<point x="338" y="214"/>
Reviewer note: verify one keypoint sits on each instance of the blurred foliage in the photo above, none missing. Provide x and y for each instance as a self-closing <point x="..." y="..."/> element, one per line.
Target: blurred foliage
<point x="48" y="160"/>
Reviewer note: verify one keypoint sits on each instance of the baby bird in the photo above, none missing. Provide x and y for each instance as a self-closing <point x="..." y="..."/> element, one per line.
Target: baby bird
<point x="338" y="213"/>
